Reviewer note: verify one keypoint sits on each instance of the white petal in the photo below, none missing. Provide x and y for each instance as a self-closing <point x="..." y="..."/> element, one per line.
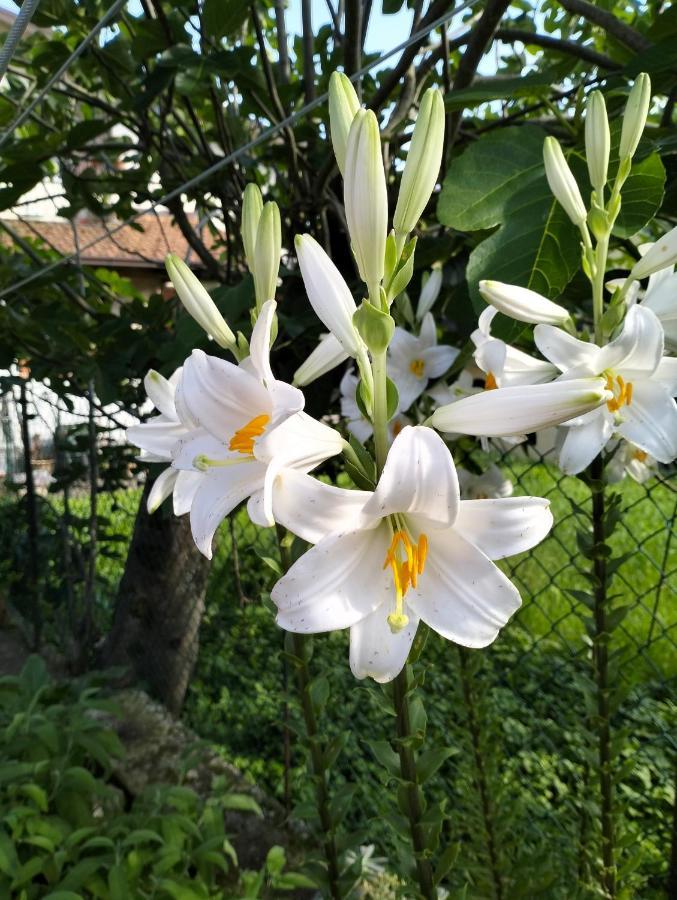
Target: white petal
<point x="638" y="349"/>
<point x="501" y="528"/>
<point x="520" y="368"/>
<point x="427" y="335"/>
<point x="376" y="652"/>
<point x="666" y="374"/>
<point x="200" y="443"/>
<point x="430" y="292"/>
<point x="419" y="478"/>
<point x="259" y="345"/>
<point x="651" y="421"/>
<point x="184" y="490"/>
<point x="162" y="488"/>
<point x="328" y="293"/>
<point x="221" y="397"/>
<point x="521" y="409"/>
<point x="461" y="593"/>
<point x="522" y="304"/>
<point x="361" y="428"/>
<point x="218" y="493"/>
<point x="437" y="360"/>
<point x="404" y="348"/>
<point x="312" y="509"/>
<point x="300" y="441"/>
<point x="490" y="357"/>
<point x="564" y="350"/>
<point x="158" y="436"/>
<point x="328" y="354"/>
<point x="336" y="583"/>
<point x="161" y="393"/>
<point x="409" y="386"/>
<point x="285" y="399"/>
<point x="582" y="443"/>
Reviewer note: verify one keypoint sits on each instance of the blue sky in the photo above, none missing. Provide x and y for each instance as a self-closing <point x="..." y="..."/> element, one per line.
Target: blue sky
<point x="384" y="31"/>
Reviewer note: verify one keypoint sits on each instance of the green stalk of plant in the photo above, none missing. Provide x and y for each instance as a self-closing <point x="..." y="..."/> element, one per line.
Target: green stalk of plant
<point x="312" y="696"/>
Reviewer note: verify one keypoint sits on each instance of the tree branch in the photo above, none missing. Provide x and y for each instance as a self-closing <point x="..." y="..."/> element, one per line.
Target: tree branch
<point x="194" y="241"/>
<point x="352" y="44"/>
<point x="571" y="48"/>
<point x="308" y="64"/>
<point x="282" y="48"/>
<point x="479" y="39"/>
<point x="608" y="22"/>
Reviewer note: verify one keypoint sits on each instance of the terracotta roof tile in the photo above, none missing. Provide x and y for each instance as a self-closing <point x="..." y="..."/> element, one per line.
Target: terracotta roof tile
<point x="129" y="246"/>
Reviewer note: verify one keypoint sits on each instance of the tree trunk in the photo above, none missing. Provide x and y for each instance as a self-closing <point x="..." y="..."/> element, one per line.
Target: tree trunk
<point x="160" y="602"/>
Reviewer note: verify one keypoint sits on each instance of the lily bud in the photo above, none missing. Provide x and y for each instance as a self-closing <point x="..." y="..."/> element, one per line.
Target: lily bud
<point x="197" y="302"/>
<point x="375" y="327"/>
<point x="343" y="104"/>
<point x="597" y="141"/>
<point x="252" y="206"/>
<point x="366" y="198"/>
<point x="328" y="354"/>
<point x="429" y="292"/>
<point x="634" y="117"/>
<point x="562" y="182"/>
<point x="267" y="253"/>
<point x="522" y="304"/>
<point x="511" y="411"/>
<point x="661" y="255"/>
<point x="423" y="163"/>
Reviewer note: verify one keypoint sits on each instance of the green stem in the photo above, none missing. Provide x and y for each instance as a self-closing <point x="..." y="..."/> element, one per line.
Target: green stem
<point x="380" y="410"/>
<point x="600" y="651"/>
<point x="601" y="252"/>
<point x="410" y="776"/>
<point x="318" y="769"/>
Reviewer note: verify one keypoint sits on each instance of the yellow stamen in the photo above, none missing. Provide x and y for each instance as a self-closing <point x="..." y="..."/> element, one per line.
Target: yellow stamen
<point x="244" y="438"/>
<point x="417" y="366"/>
<point x="622" y="392"/>
<point x="639" y="455"/>
<point x="407" y="561"/>
<point x="490" y="382"/>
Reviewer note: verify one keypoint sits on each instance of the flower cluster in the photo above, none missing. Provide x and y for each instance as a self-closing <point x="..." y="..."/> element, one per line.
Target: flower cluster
<point x="402" y="547"/>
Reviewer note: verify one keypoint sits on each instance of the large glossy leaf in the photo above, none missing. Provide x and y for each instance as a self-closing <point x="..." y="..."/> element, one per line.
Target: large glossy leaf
<point x="500" y="181"/>
<point x="643" y="191"/>
<point x="222" y="19"/>
<point x="500" y="87"/>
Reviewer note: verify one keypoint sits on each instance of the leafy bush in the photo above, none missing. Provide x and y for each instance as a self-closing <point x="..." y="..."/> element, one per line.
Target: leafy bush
<point x="65" y="831"/>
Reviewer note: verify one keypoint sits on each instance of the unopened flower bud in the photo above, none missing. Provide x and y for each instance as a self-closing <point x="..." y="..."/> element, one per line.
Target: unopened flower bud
<point x="597" y="141"/>
<point x="328" y="354"/>
<point x="562" y="182"/>
<point x="423" y="163"/>
<point x="267" y="253"/>
<point x="366" y="198"/>
<point x="429" y="292"/>
<point x="343" y="104"/>
<point x="375" y="327"/>
<point x="252" y="206"/>
<point x="522" y="304"/>
<point x="634" y="117"/>
<point x="197" y="302"/>
<point x="661" y="255"/>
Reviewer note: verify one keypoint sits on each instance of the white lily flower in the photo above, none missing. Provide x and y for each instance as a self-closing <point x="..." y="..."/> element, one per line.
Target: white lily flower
<point x="410" y="550"/>
<point x="523" y="304"/>
<point x="491" y="484"/>
<point x="237" y="408"/>
<point x="413" y="361"/>
<point x="640" y="381"/>
<point x="198" y="303"/>
<point x="329" y="295"/>
<point x="328" y="354"/>
<point x="504" y="365"/>
<point x="518" y="410"/>
<point x="631" y="460"/>
<point x="661" y="298"/>
<point x="158" y="439"/>
<point x="429" y="292"/>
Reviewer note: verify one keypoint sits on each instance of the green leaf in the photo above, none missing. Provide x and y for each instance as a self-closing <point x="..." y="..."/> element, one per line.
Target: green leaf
<point x="275" y="860"/>
<point x="385" y="754"/>
<point x="430" y="760"/>
<point x="222" y="17"/>
<point x="243" y="802"/>
<point x="642" y="193"/>
<point x="446" y="862"/>
<point x="500" y="180"/>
